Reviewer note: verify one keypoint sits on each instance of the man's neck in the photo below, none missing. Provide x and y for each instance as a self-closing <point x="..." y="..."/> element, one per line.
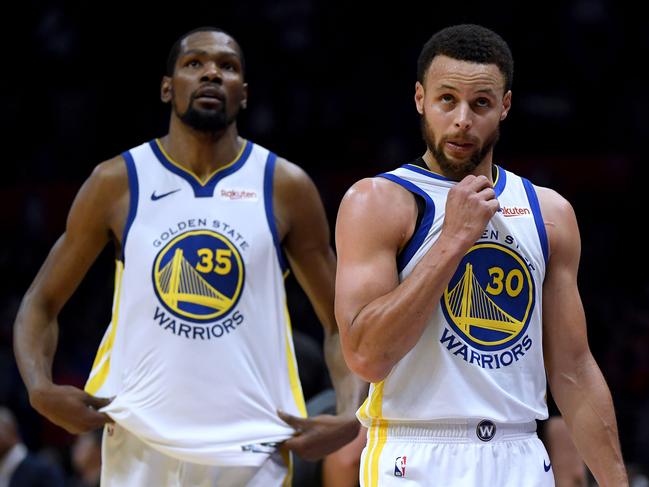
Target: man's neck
<point x="485" y="168"/>
<point x="202" y="153"/>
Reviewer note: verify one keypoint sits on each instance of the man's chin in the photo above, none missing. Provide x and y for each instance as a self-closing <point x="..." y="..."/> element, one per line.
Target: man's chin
<point x="456" y="168"/>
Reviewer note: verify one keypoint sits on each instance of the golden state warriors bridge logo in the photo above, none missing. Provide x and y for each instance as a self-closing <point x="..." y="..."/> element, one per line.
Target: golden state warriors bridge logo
<point x="198" y="276"/>
<point x="488" y="304"/>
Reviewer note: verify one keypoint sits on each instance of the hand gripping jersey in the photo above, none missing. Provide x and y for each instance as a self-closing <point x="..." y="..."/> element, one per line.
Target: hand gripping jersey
<point x="199" y="353"/>
<point x="480" y="355"/>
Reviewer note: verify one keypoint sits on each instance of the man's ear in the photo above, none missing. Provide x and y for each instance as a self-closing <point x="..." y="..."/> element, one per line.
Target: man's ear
<point x="507" y="104"/>
<point x="165" y="89"/>
<point x="244" y="101"/>
<point x="419" y="97"/>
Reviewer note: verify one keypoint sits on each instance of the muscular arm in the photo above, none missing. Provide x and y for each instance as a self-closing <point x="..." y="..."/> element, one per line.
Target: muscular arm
<point x="381" y="319"/>
<point x="304" y="232"/>
<point x="96" y="214"/>
<point x="576" y="381"/>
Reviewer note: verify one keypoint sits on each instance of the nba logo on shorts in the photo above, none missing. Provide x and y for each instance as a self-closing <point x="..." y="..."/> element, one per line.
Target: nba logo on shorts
<point x="400" y="467"/>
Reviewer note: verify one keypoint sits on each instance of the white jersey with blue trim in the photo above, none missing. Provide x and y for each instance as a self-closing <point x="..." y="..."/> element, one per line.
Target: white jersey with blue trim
<point x="199" y="354"/>
<point x="480" y="355"/>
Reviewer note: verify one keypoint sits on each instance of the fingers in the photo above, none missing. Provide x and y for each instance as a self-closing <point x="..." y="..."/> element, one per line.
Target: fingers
<point x="299" y="424"/>
<point x="476" y="183"/>
<point x="92" y="418"/>
<point x="97" y="402"/>
<point x="95" y="420"/>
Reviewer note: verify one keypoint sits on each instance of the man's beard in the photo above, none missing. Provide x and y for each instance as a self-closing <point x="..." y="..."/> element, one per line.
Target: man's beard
<point x="206" y="120"/>
<point x="457" y="169"/>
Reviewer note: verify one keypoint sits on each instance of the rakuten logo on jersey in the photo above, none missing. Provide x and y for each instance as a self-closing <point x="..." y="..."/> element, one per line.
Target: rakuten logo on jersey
<point x="514" y="211"/>
<point x="238" y="195"/>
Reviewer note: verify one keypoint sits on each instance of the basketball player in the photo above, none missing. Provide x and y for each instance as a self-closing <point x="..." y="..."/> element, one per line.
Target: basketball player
<point x="457" y="290"/>
<point x="197" y="367"/>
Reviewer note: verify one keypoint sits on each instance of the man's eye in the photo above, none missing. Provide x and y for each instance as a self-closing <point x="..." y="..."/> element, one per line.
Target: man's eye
<point x="447" y="99"/>
<point x="193" y="63"/>
<point x="482" y="102"/>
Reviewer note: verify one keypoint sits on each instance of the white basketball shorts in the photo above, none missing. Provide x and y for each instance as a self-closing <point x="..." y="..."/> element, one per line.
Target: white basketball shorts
<point x="457" y="453"/>
<point x="129" y="462"/>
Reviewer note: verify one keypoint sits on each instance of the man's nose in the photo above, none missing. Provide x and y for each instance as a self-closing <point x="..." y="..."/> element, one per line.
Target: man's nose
<point x="463" y="119"/>
<point x="212" y="73"/>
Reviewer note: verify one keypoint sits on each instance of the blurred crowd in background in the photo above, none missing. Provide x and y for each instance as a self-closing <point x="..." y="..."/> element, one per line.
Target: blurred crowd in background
<point x="331" y="89"/>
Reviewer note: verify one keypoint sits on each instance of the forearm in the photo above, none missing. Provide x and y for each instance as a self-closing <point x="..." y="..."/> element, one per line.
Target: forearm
<point x="35" y="342"/>
<point x="586" y="405"/>
<point x="388" y="327"/>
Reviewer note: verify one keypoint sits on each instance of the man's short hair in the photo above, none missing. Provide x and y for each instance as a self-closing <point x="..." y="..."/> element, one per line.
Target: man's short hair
<point x="468" y="42"/>
<point x="174" y="52"/>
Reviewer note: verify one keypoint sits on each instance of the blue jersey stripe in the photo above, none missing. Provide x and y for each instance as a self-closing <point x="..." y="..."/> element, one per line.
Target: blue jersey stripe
<point x="501" y="176"/>
<point x="202" y="190"/>
<point x="538" y="217"/>
<point x="269" y="171"/>
<point x="501" y="180"/>
<point x="426" y="222"/>
<point x="425" y="172"/>
<point x="133" y="188"/>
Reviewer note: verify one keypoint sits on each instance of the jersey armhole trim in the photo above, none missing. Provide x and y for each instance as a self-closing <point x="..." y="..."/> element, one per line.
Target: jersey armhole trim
<point x="420" y="233"/>
<point x="133" y="189"/>
<point x="538" y="217"/>
<point x="269" y="173"/>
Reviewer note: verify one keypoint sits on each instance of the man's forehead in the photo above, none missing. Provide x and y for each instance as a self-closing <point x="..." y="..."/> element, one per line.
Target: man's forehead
<point x="444" y="70"/>
<point x="209" y="41"/>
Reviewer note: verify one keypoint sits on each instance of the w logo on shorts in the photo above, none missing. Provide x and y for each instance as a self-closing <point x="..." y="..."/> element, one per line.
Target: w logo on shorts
<point x="400" y="467"/>
<point x="486" y="430"/>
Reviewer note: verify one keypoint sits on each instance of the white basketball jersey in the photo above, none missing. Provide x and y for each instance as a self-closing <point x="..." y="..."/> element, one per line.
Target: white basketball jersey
<point x="199" y="353"/>
<point x="480" y="355"/>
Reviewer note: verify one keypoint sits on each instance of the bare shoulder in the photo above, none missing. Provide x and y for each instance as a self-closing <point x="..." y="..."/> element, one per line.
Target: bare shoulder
<point x="380" y="197"/>
<point x="297" y="205"/>
<point x="554" y="207"/>
<point x="103" y="200"/>
<point x="111" y="174"/>
<point x="560" y="223"/>
<point x="289" y="177"/>
<point x="379" y="205"/>
<point x="378" y="191"/>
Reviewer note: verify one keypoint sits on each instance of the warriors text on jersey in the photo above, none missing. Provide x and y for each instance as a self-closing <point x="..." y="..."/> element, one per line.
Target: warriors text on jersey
<point x="199" y="353"/>
<point x="480" y="356"/>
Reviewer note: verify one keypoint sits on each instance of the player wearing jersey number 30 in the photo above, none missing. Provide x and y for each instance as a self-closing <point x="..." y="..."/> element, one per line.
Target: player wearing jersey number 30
<point x="198" y="359"/>
<point x="456" y="292"/>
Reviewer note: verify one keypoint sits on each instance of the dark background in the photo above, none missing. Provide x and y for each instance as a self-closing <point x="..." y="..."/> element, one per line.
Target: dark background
<point x="331" y="88"/>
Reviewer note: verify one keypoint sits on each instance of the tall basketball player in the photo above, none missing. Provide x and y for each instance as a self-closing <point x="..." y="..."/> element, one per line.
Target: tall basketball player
<point x="457" y="292"/>
<point x="198" y="360"/>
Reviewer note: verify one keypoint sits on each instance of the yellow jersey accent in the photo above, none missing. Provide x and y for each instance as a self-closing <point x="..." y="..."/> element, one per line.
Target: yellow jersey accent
<point x="294" y="377"/>
<point x="438" y="174"/>
<point x="287" y="456"/>
<point x="200" y="181"/>
<point x="101" y="365"/>
<point x="377" y="433"/>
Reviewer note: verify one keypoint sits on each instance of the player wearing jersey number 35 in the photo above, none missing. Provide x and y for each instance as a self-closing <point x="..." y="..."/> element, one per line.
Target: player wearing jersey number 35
<point x="197" y="369"/>
<point x="456" y="292"/>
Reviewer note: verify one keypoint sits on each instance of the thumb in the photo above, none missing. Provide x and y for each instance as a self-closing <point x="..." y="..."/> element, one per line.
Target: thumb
<point x="294" y="421"/>
<point x="98" y="402"/>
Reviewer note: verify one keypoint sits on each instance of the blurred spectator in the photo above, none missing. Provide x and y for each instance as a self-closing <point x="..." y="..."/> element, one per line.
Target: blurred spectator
<point x="18" y="467"/>
<point x="86" y="460"/>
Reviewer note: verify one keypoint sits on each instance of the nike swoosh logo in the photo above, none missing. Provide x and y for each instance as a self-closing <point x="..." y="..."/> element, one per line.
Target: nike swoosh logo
<point x="155" y="197"/>
<point x="547" y="467"/>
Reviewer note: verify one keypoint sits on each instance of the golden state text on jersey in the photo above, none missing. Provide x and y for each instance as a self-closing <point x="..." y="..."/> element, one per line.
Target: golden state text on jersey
<point x="198" y="277"/>
<point x="488" y="304"/>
